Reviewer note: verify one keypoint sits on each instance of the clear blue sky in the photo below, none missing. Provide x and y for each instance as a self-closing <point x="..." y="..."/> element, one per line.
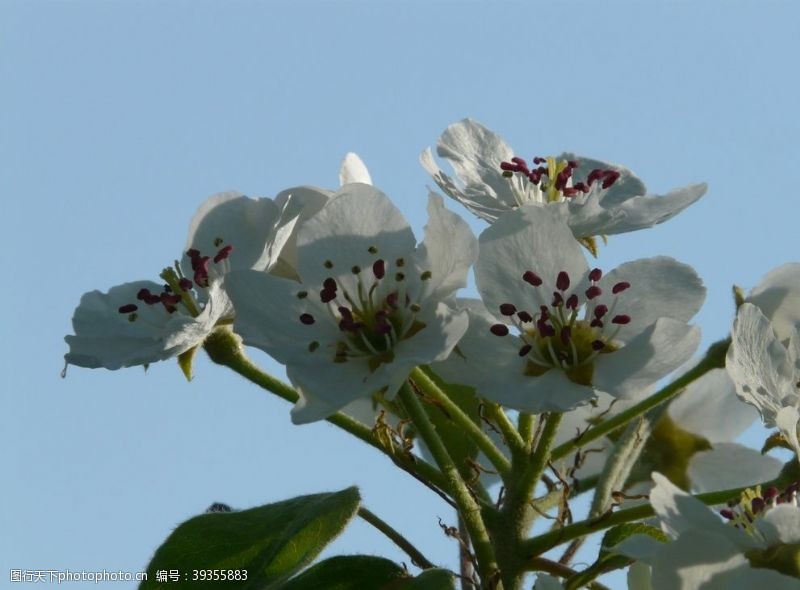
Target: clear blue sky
<point x="118" y="119"/>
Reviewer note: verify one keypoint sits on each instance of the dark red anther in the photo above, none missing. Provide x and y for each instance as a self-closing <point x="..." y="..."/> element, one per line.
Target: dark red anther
<point x="185" y="284"/>
<point x="544" y="328"/>
<point x="382" y="325"/>
<point x="499" y="330"/>
<point x="329" y="283"/>
<point x="757" y="505"/>
<point x="507" y="309"/>
<point x="543" y="312"/>
<point x="525" y="350"/>
<point x="327" y="295"/>
<point x="307" y="319"/>
<point x="539" y="160"/>
<point x="346" y="313"/>
<point x="566" y="334"/>
<point x="621" y="319"/>
<point x="391" y="300"/>
<point x="598" y="345"/>
<point x="129" y="308"/>
<point x="562" y="282"/>
<point x="594" y="175"/>
<point x="193" y="253"/>
<point x="727" y="513"/>
<point x="532" y="278"/>
<point x="557" y="299"/>
<point x="770" y="493"/>
<point x="524" y="316"/>
<point x="611" y="176"/>
<point x="572" y="301"/>
<point x="536" y="176"/>
<point x="200" y="266"/>
<point x="143" y="294"/>
<point x="379" y="268"/>
<point x="593" y="291"/>
<point x="595" y="275"/>
<point x="600" y="311"/>
<point x="508" y="167"/>
<point x="572" y="163"/>
<point x="580" y="187"/>
<point x="223" y="254"/>
<point x="620" y="287"/>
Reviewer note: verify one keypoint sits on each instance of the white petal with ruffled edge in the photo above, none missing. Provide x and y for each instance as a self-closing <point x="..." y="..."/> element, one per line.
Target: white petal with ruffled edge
<point x="106" y="338"/>
<point x="777" y="295"/>
<point x="730" y="465"/>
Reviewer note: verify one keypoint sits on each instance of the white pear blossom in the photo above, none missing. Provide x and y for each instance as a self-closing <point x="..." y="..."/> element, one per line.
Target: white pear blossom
<point x="143" y="322"/>
<point x="596" y="198"/>
<point x="709" y="554"/>
<point x="369" y="305"/>
<point x="550" y="332"/>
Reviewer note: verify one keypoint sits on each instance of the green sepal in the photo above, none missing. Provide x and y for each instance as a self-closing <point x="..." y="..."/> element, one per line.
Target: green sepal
<point x="186" y="362"/>
<point x="776" y="440"/>
<point x="607" y="560"/>
<point x="783" y="558"/>
<point x="271" y="542"/>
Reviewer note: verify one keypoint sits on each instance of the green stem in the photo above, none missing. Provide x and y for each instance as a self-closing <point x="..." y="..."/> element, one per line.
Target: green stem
<point x="525" y="425"/>
<point x="467" y="506"/>
<point x="511" y="437"/>
<point x="457" y="415"/>
<point x="546" y="541"/>
<point x="224" y="349"/>
<point x="538" y="461"/>
<point x="417" y="558"/>
<point x="714" y="359"/>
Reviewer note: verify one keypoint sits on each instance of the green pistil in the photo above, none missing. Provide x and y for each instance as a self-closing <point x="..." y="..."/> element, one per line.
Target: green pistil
<point x="574" y="357"/>
<point x="172" y="278"/>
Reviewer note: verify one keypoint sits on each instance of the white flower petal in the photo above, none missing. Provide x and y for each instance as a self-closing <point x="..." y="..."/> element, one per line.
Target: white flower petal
<point x="730" y="465"/>
<point x="475" y="153"/>
<point x="529" y="239"/>
<point x="639" y="576"/>
<point x="787" y="421"/>
<point x="653" y="354"/>
<point x="335" y="385"/>
<point x="447" y="251"/>
<point x="699" y="407"/>
<point x="296" y="206"/>
<point x="357" y="218"/>
<point x="759" y="364"/>
<point x="661" y="287"/>
<point x="268" y="314"/>
<point x="236" y="220"/>
<point x="778" y="297"/>
<point x="679" y="512"/>
<point x="106" y="338"/>
<point x="699" y="560"/>
<point x="780" y="524"/>
<point x="353" y="169"/>
<point x="648" y="210"/>
<point x="643" y="547"/>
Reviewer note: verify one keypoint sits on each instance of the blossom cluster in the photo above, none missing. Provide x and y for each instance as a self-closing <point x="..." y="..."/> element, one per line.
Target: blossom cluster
<point x="334" y="285"/>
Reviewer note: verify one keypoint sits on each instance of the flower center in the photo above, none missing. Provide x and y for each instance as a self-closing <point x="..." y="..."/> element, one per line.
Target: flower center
<point x="554" y="337"/>
<point x="550" y="180"/>
<point x="373" y="318"/>
<point x="180" y="292"/>
<point x="754" y="504"/>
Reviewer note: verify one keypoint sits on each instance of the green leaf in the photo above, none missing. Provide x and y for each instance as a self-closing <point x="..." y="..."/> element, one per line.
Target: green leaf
<point x="349" y="572"/>
<point x="435" y="579"/>
<point x="607" y="560"/>
<point x="271" y="542"/>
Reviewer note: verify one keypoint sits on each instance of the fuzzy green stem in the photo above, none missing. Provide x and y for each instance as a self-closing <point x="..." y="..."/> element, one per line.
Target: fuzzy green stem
<point x="467" y="506"/>
<point x="457" y="415"/>
<point x="417" y="558"/>
<point x="538" y="461"/>
<point x="525" y="424"/>
<point x="224" y="348"/>
<point x="714" y="359"/>
<point x="511" y="437"/>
